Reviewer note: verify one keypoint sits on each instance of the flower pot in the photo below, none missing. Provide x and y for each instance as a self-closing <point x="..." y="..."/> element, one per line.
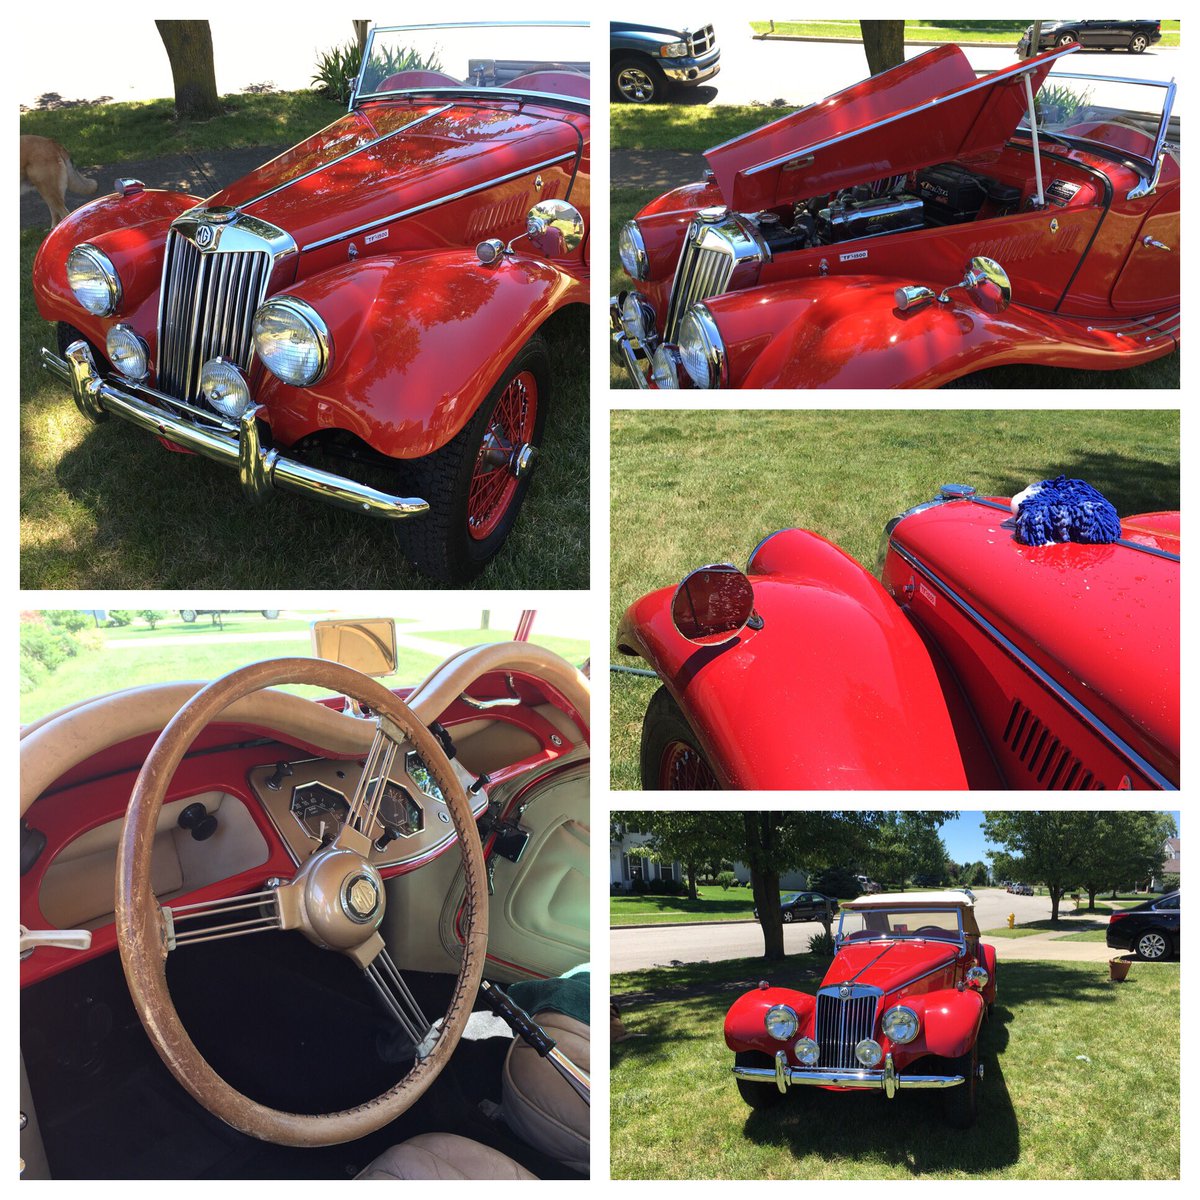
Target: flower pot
<point x="1118" y="968"/>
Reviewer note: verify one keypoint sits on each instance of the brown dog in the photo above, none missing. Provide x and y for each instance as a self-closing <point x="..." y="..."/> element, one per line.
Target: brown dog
<point x="46" y="166"/>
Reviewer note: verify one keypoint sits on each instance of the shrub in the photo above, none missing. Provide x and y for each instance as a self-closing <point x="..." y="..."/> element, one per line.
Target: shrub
<point x="152" y="616"/>
<point x="822" y="944"/>
<point x="1170" y="883"/>
<point x="337" y="69"/>
<point x="119" y="617"/>
<point x="727" y="879"/>
<point x="70" y="619"/>
<point x="664" y="887"/>
<point x="835" y="881"/>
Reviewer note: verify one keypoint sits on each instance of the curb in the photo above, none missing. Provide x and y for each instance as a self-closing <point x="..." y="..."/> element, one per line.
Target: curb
<point x="850" y="41"/>
<point x="684" y="924"/>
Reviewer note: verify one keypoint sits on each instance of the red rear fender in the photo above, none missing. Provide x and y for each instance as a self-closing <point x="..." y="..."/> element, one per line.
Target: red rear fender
<point x="836" y="690"/>
<point x="417" y="344"/>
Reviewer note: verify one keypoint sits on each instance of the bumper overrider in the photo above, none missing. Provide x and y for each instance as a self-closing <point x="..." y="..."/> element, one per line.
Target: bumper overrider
<point x="627" y="351"/>
<point x="785" y="1076"/>
<point x="241" y="445"/>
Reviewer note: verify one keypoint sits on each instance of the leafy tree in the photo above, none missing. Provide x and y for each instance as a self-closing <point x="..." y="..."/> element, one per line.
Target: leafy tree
<point x="1054" y="845"/>
<point x="119" y="617"/>
<point x="1126" y="847"/>
<point x="690" y="838"/>
<point x="726" y="879"/>
<point x="152" y="616"/>
<point x="908" y="844"/>
<point x="70" y="619"/>
<point x="884" y="43"/>
<point x="1170" y="883"/>
<point x="190" y="50"/>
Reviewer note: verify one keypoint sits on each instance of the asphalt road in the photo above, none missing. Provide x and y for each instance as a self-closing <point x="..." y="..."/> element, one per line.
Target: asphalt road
<point x="651" y="946"/>
<point x="763" y="72"/>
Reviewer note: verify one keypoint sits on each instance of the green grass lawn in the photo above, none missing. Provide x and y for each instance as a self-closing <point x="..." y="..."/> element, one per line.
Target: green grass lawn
<point x="1043" y="1113"/>
<point x="106" y="506"/>
<point x="714" y="904"/>
<point x="928" y="31"/>
<point x="691" y="487"/>
<point x="202" y="626"/>
<point x="107" y="133"/>
<point x="1017" y="931"/>
<point x="1086" y="935"/>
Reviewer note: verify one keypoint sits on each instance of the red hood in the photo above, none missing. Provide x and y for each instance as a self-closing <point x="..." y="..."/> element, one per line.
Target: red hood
<point x="1103" y="621"/>
<point x="888" y="965"/>
<point x="928" y="110"/>
<point x="336" y="179"/>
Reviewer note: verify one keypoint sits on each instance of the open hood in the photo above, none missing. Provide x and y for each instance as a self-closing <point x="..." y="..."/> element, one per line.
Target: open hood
<point x="931" y="109"/>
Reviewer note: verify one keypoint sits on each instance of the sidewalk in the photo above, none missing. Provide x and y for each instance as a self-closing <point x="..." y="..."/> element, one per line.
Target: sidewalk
<point x="200" y="173"/>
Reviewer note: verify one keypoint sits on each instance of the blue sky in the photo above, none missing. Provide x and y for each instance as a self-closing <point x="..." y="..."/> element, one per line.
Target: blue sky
<point x="965" y="841"/>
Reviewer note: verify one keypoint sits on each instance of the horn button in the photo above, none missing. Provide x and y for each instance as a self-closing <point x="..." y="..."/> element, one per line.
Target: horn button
<point x="341" y="899"/>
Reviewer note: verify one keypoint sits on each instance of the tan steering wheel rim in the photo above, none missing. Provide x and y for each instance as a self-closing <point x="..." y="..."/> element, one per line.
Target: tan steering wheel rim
<point x="141" y="934"/>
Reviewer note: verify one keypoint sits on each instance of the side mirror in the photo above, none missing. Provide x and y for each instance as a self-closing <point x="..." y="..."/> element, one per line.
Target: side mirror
<point x="367" y="646"/>
<point x="555" y="227"/>
<point x="987" y="283"/>
<point x="713" y="605"/>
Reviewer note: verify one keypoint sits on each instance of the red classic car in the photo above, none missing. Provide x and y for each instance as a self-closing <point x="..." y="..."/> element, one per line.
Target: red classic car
<point x="315" y="898"/>
<point x="381" y="293"/>
<point x="975" y="661"/>
<point x="909" y="230"/>
<point x="900" y="1008"/>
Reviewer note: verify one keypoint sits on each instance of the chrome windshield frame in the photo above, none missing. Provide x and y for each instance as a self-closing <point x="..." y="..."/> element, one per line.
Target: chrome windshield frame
<point x="959" y="939"/>
<point x="357" y="97"/>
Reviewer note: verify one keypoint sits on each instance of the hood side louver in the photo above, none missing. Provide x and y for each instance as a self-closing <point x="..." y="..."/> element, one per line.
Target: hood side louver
<point x="1049" y="762"/>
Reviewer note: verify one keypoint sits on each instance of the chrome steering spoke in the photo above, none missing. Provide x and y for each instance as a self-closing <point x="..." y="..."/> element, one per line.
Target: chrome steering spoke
<point x="399" y="1000"/>
<point x="224" y="917"/>
<point x="380" y="760"/>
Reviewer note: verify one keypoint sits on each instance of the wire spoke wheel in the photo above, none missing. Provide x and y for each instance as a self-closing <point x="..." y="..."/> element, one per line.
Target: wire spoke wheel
<point x="494" y="482"/>
<point x="683" y="769"/>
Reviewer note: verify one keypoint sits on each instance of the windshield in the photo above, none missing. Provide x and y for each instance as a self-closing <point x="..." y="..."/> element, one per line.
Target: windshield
<point x="527" y="59"/>
<point x="70" y="655"/>
<point x="875" y="924"/>
<point x="1124" y="115"/>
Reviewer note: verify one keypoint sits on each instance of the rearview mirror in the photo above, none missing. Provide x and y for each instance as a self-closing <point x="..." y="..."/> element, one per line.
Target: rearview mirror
<point x="712" y="605"/>
<point x="555" y="227"/>
<point x="368" y="646"/>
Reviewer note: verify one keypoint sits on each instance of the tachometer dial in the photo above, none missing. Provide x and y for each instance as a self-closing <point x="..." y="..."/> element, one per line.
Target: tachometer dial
<point x="399" y="814"/>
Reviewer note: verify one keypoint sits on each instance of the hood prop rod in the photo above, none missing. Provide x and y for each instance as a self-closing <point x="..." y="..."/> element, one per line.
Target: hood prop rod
<point x="1039" y="199"/>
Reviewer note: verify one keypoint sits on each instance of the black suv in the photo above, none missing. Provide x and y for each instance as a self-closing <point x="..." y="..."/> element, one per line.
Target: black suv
<point x="1134" y="36"/>
<point x="1150" y="930"/>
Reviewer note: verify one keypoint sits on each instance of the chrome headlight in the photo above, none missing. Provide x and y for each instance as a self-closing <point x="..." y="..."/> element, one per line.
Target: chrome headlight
<point x="807" y="1052"/>
<point x="868" y="1052"/>
<point x="128" y="353"/>
<point x="781" y="1022"/>
<point x="637" y="318"/>
<point x="292" y="341"/>
<point x="901" y="1024"/>
<point x="674" y="50"/>
<point x="225" y="387"/>
<point x="664" y="368"/>
<point x="632" y="251"/>
<point x="94" y="280"/>
<point x="977" y="978"/>
<point x="700" y="348"/>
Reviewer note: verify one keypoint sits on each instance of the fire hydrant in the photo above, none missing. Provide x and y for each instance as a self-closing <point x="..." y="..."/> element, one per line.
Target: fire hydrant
<point x="1012" y="920"/>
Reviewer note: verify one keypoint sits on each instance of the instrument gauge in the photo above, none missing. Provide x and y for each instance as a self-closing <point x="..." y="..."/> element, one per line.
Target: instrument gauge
<point x="418" y="772"/>
<point x="319" y="810"/>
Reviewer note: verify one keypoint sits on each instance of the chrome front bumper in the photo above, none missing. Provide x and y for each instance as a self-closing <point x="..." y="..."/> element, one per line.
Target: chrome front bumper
<point x="260" y="467"/>
<point x="697" y="72"/>
<point x="626" y="352"/>
<point x="887" y="1081"/>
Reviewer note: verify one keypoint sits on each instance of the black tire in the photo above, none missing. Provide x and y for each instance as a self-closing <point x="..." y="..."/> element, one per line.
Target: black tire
<point x="663" y="727"/>
<point x="1139" y="44"/>
<point x="757" y="1095"/>
<point x="188" y="615"/>
<point x="1152" y="946"/>
<point x="439" y="544"/>
<point x="270" y="613"/>
<point x="962" y="1103"/>
<point x="1066" y="39"/>
<point x="637" y="80"/>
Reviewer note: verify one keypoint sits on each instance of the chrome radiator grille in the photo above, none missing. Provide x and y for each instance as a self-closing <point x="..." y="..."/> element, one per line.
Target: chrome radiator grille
<point x="843" y="1022"/>
<point x="717" y="247"/>
<point x="702" y="41"/>
<point x="207" y="307"/>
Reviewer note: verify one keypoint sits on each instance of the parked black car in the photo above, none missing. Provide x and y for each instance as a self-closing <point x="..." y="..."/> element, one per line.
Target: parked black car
<point x="1150" y="930"/>
<point x="647" y="61"/>
<point x="1134" y="36"/>
<point x="805" y="906"/>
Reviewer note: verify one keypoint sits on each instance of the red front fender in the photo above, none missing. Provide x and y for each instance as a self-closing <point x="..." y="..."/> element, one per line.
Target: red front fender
<point x="836" y="690"/>
<point x="744" y="1027"/>
<point x="846" y="332"/>
<point x="417" y="345"/>
<point x="950" y="1022"/>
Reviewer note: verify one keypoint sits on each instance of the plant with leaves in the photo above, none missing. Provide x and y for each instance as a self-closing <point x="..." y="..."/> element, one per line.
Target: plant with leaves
<point x="693" y="839"/>
<point x="1126" y="848"/>
<point x="152" y="616"/>
<point x="1054" y="845"/>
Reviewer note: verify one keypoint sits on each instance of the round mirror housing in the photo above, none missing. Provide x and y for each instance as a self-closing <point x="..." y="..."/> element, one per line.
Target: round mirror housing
<point x="988" y="284"/>
<point x="712" y="605"/>
<point x="555" y="227"/>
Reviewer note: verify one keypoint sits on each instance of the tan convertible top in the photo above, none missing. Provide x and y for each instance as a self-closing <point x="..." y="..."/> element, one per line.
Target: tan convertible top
<point x="893" y="901"/>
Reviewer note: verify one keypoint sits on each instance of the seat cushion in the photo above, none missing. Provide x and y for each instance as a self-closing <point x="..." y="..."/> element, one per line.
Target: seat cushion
<point x="539" y="1105"/>
<point x="443" y="1156"/>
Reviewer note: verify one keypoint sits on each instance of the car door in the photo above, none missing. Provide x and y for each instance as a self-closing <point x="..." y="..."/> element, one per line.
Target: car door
<point x="1167" y="911"/>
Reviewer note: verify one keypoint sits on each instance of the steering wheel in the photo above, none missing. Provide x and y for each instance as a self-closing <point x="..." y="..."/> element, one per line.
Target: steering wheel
<point x="931" y="929"/>
<point x="336" y="900"/>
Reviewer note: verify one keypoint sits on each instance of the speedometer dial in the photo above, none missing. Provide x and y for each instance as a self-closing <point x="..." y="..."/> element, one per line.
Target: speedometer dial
<point x="399" y="814"/>
<point x="319" y="810"/>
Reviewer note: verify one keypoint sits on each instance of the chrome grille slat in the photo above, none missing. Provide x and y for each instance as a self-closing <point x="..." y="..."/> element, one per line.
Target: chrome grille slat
<point x="703" y="271"/>
<point x="842" y="1023"/>
<point x="207" y="309"/>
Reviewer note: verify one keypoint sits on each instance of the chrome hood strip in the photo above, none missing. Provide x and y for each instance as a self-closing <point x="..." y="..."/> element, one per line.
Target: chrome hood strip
<point x="333" y="162"/>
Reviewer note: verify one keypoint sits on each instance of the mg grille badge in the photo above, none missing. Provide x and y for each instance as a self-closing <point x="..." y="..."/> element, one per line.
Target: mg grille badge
<point x="844" y="992"/>
<point x="204" y="237"/>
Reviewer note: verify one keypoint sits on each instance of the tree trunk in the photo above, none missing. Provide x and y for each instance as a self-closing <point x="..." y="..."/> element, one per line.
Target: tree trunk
<point x="1092" y="899"/>
<point x="691" y="874"/>
<point x="766" y="900"/>
<point x="1055" y="897"/>
<point x="190" y="50"/>
<point x="884" y="44"/>
<point x="360" y="35"/>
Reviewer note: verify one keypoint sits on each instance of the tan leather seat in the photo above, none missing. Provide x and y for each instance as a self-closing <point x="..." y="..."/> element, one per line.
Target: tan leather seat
<point x="539" y="1105"/>
<point x="443" y="1156"/>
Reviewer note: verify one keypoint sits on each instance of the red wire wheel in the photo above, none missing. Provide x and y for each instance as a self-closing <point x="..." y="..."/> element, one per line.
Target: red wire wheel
<point x="683" y="768"/>
<point x="493" y="488"/>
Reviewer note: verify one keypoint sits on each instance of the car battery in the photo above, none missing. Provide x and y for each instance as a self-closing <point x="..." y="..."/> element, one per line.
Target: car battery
<point x="951" y="194"/>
